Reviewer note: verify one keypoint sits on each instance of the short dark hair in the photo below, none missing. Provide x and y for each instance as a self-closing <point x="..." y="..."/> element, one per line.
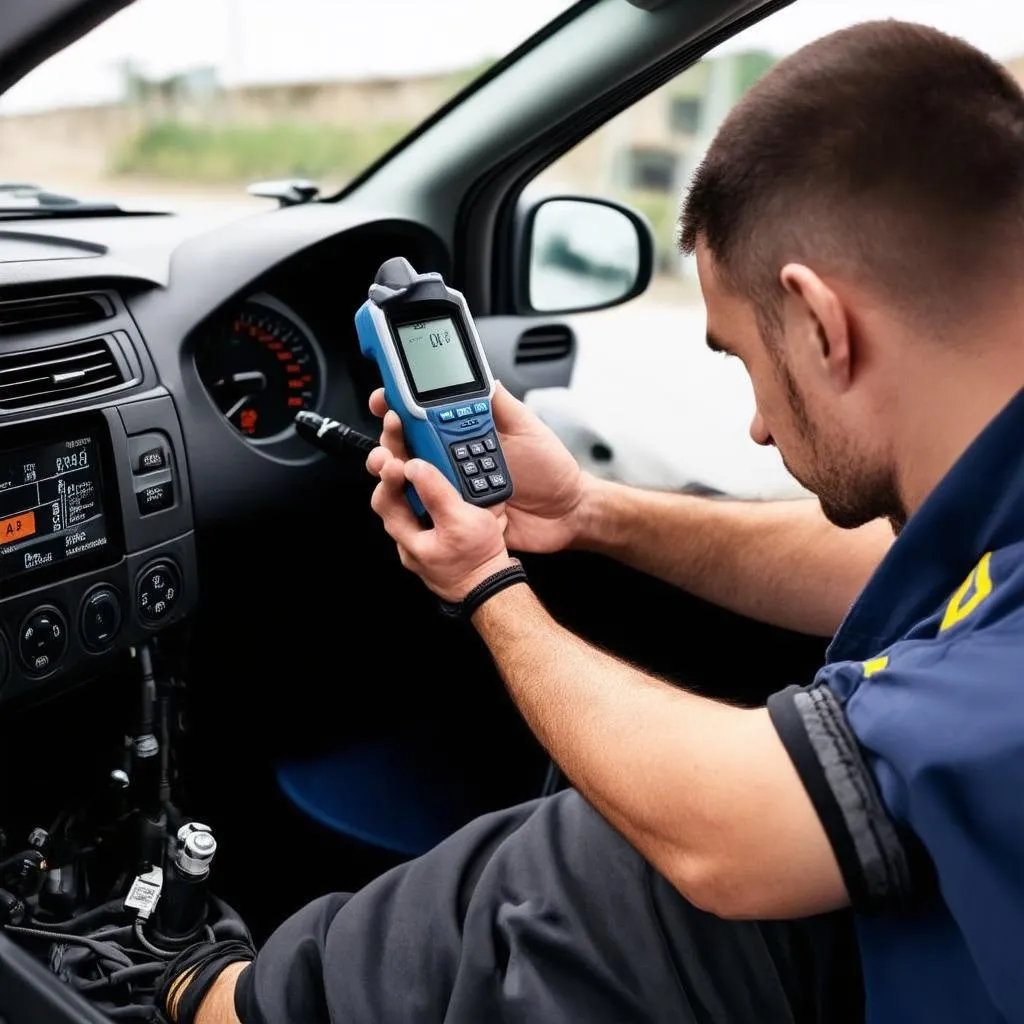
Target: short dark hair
<point x="888" y="151"/>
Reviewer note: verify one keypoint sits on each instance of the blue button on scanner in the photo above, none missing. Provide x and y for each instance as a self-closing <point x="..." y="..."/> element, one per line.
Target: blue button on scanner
<point x="463" y="411"/>
<point x="446" y="415"/>
<point x="479" y="407"/>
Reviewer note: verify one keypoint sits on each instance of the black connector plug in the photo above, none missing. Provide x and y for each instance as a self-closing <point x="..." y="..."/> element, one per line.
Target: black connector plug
<point x="332" y="436"/>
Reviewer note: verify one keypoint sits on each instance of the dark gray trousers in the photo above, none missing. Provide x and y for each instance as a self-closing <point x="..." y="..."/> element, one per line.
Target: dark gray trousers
<point x="543" y="914"/>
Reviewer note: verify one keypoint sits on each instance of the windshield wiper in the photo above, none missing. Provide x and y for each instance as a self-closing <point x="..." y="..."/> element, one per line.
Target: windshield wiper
<point x="39" y="201"/>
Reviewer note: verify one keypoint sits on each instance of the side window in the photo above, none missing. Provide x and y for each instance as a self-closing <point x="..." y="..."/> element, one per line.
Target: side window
<point x="649" y="404"/>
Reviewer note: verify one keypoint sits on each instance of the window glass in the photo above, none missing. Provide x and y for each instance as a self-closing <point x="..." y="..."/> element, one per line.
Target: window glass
<point x="649" y="403"/>
<point x="174" y="103"/>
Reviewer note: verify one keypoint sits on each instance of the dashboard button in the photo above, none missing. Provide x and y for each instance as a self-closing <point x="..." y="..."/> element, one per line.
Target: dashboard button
<point x="152" y="458"/>
<point x="101" y="618"/>
<point x="460" y="451"/>
<point x="43" y="640"/>
<point x="155" y="498"/>
<point x="158" y="592"/>
<point x="479" y="484"/>
<point x="470" y="468"/>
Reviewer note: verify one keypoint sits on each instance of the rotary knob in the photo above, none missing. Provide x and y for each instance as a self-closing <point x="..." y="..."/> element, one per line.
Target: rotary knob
<point x="43" y="640"/>
<point x="158" y="592"/>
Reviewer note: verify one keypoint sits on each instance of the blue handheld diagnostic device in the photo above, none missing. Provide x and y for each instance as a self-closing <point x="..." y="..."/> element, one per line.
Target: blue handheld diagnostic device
<point x="436" y="378"/>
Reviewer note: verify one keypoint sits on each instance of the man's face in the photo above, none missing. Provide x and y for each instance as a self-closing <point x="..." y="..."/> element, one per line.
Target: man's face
<point x="824" y="445"/>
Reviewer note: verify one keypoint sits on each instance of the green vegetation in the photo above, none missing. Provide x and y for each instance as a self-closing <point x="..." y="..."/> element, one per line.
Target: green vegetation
<point x="752" y="66"/>
<point x="246" y="152"/>
<point x="458" y="80"/>
<point x="661" y="210"/>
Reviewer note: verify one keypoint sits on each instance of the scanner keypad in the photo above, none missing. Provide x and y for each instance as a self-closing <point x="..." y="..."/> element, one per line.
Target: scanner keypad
<point x="480" y="472"/>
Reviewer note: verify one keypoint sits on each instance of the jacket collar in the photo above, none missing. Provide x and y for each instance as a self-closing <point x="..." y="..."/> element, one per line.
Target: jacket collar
<point x="978" y="506"/>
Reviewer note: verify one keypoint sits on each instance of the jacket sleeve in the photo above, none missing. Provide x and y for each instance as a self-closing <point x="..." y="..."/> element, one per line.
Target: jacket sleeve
<point x="869" y="848"/>
<point x="942" y="725"/>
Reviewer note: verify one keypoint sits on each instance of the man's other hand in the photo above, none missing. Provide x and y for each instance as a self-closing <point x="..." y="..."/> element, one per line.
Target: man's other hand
<point x="548" y="486"/>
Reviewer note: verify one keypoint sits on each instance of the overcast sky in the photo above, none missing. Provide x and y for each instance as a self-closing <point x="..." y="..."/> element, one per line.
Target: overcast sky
<point x="292" y="40"/>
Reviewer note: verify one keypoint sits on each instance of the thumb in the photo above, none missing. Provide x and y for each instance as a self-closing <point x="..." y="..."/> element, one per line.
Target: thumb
<point x="439" y="497"/>
<point x="510" y="415"/>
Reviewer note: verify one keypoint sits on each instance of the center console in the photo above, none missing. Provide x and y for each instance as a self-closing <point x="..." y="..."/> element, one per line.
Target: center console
<point x="97" y="564"/>
<point x="96" y="541"/>
<point x="96" y="548"/>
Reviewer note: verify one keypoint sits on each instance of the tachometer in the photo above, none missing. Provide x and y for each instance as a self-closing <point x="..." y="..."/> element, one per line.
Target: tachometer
<point x="261" y="366"/>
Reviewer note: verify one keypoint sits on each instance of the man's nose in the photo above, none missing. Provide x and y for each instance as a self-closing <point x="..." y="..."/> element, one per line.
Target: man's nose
<point x="759" y="433"/>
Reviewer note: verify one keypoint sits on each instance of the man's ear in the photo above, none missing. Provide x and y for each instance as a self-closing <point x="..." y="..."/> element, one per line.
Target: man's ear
<point x="827" y="327"/>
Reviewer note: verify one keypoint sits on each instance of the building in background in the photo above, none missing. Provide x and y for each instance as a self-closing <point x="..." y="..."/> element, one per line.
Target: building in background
<point x="646" y="155"/>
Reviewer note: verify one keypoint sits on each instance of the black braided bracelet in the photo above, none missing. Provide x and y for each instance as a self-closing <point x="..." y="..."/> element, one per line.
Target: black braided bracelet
<point x="177" y="997"/>
<point x="485" y="590"/>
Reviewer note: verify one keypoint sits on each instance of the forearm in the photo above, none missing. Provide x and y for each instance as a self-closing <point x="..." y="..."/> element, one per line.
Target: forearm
<point x="781" y="562"/>
<point x="693" y="784"/>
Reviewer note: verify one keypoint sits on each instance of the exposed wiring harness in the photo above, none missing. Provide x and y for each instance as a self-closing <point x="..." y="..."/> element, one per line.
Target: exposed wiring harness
<point x="109" y="958"/>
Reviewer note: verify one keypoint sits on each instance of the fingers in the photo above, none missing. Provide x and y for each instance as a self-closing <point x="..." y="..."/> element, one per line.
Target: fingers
<point x="376" y="459"/>
<point x="510" y="415"/>
<point x="439" y="498"/>
<point x="389" y="502"/>
<point x="392" y="437"/>
<point x="378" y="403"/>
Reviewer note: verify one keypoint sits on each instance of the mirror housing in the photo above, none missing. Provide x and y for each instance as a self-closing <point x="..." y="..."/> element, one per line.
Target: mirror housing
<point x="582" y="253"/>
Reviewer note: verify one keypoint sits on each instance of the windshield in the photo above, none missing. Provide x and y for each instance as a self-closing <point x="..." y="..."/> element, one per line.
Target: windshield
<point x="173" y="104"/>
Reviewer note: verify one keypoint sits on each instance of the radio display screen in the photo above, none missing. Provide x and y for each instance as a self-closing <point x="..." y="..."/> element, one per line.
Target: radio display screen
<point x="51" y="505"/>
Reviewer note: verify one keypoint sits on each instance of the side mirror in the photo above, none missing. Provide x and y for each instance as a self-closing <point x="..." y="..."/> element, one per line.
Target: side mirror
<point x="581" y="253"/>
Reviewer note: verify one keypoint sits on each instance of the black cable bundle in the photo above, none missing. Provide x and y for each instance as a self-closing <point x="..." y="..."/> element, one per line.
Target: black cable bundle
<point x="104" y="968"/>
<point x="108" y="957"/>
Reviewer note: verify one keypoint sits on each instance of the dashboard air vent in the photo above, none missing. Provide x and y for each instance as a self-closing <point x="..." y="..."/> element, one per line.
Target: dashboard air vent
<point x="545" y="344"/>
<point x="20" y="315"/>
<point x="58" y="373"/>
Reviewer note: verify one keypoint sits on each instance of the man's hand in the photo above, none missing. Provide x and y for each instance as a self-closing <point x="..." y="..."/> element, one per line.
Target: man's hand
<point x="465" y="545"/>
<point x="548" y="486"/>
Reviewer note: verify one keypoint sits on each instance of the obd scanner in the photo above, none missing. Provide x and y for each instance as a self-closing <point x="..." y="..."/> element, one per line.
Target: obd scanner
<point x="423" y="339"/>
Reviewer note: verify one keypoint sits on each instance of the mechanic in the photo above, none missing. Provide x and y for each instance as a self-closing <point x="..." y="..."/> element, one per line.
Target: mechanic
<point x="858" y="224"/>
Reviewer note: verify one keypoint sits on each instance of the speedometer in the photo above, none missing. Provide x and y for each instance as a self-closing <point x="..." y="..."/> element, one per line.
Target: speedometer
<point x="261" y="366"/>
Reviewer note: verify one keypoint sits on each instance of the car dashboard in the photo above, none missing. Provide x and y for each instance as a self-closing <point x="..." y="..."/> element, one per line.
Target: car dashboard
<point x="150" y="371"/>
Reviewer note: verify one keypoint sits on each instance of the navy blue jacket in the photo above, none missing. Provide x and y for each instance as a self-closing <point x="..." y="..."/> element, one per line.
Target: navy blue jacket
<point x="911" y="744"/>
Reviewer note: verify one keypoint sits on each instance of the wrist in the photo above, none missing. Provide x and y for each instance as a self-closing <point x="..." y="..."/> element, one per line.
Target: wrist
<point x="218" y="1006"/>
<point x="502" y="578"/>
<point x="481" y="573"/>
<point x="596" y="518"/>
